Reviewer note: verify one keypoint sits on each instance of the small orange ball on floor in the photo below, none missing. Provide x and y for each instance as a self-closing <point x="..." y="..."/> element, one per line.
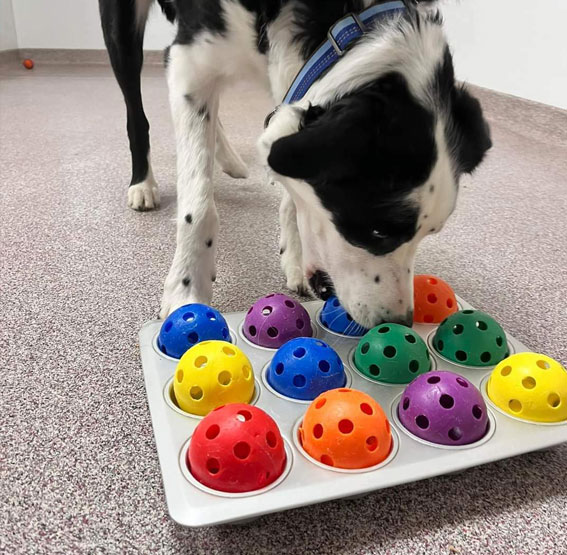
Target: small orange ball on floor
<point x="27" y="63"/>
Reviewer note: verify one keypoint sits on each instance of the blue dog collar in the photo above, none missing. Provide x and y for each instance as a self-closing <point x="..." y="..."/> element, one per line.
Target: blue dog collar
<point x="351" y="27"/>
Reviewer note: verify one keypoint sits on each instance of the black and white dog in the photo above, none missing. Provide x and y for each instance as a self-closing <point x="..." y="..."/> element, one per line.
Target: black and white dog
<point x="369" y="144"/>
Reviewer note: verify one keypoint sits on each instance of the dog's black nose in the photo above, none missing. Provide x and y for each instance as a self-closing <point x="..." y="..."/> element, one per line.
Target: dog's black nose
<point x="322" y="285"/>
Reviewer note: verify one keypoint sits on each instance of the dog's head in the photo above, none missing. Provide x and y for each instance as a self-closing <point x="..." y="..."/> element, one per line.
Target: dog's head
<point x="372" y="172"/>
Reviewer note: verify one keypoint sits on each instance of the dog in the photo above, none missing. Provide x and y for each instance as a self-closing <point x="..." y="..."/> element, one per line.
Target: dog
<point x="369" y="141"/>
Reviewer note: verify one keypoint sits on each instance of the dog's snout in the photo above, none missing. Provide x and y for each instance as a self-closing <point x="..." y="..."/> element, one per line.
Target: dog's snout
<point x="322" y="285"/>
<point x="406" y="320"/>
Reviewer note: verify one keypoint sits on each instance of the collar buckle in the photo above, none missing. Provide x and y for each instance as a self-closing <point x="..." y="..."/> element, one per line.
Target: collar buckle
<point x="330" y="33"/>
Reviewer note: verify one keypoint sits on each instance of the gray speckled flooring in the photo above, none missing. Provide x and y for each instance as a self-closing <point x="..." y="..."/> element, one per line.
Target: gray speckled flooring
<point x="80" y="273"/>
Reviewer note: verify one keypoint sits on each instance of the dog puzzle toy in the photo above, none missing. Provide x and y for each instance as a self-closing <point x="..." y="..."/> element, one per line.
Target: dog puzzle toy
<point x="274" y="320"/>
<point x="444" y="408"/>
<point x="236" y="448"/>
<point x="434" y="299"/>
<point x="304" y="368"/>
<point x="190" y="325"/>
<point x="392" y="353"/>
<point x="211" y="374"/>
<point x="335" y="318"/>
<point x="346" y="428"/>
<point x="530" y="386"/>
<point x="471" y="338"/>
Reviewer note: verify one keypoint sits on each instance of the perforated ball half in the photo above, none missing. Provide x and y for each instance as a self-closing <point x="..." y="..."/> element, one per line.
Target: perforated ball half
<point x="274" y="320"/>
<point x="346" y="428"/>
<point x="211" y="374"/>
<point x="444" y="408"/>
<point x="236" y="448"/>
<point x="530" y="386"/>
<point x="392" y="353"/>
<point x="472" y="338"/>
<point x="304" y="368"/>
<point x="434" y="300"/>
<point x="190" y="325"/>
<point x="335" y="318"/>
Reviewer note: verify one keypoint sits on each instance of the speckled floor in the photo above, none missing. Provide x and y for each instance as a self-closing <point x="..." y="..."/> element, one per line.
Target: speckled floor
<point x="80" y="273"/>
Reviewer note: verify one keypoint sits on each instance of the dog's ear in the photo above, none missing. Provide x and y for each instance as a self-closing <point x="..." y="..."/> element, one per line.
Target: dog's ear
<point x="470" y="132"/>
<point x="328" y="143"/>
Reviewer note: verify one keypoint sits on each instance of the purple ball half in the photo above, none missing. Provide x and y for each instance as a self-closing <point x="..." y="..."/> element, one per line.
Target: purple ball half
<point x="444" y="408"/>
<point x="274" y="320"/>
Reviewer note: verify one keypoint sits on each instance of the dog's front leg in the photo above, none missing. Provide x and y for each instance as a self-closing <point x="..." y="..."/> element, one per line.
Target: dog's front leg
<point x="193" y="98"/>
<point x="290" y="247"/>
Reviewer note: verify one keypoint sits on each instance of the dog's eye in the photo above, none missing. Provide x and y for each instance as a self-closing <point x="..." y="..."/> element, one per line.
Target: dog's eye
<point x="377" y="234"/>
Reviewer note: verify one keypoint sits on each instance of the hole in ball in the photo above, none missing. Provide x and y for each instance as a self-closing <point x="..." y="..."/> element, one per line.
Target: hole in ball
<point x="212" y="432"/>
<point x="374" y="370"/>
<point x="243" y="415"/>
<point x="271" y="439"/>
<point x="346" y="426"/>
<point x="432" y="281"/>
<point x="450" y="303"/>
<point x="414" y="366"/>
<point x="272" y="332"/>
<point x="180" y="375"/>
<point x="554" y="400"/>
<point x="241" y="450"/>
<point x="515" y="405"/>
<point x="267" y="310"/>
<point x="246" y="371"/>
<point x="458" y="329"/>
<point x="506" y="371"/>
<point x="299" y="380"/>
<point x="477" y="412"/>
<point x="440" y="345"/>
<point x="324" y="366"/>
<point x="225" y="377"/>
<point x="529" y="382"/>
<point x="228" y="351"/>
<point x="468" y="311"/>
<point x="317" y="431"/>
<point x="325" y="459"/>
<point x="320" y="403"/>
<point x="252" y="331"/>
<point x="366" y="408"/>
<point x="446" y="401"/>
<point x="433" y="379"/>
<point x="196" y="393"/>
<point x="390" y="351"/>
<point x="422" y="422"/>
<point x="543" y="364"/>
<point x="279" y="368"/>
<point x="384" y="329"/>
<point x="455" y="434"/>
<point x="213" y="466"/>
<point x="462" y="382"/>
<point x="299" y="353"/>
<point x="432" y="298"/>
<point x="300" y="324"/>
<point x="372" y="443"/>
<point x="168" y="326"/>
<point x="461" y="356"/>
<point x="481" y="325"/>
<point x="290" y="304"/>
<point x="211" y="316"/>
<point x="365" y="348"/>
<point x="406" y="403"/>
<point x="189" y="316"/>
<point x="428" y="318"/>
<point x="193" y="337"/>
<point x="200" y="362"/>
<point x="499" y="341"/>
<point x="485" y="357"/>
<point x="410" y="338"/>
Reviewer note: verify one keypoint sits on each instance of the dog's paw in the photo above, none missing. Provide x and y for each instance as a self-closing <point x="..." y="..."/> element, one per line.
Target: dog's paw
<point x="296" y="280"/>
<point x="144" y="196"/>
<point x="236" y="168"/>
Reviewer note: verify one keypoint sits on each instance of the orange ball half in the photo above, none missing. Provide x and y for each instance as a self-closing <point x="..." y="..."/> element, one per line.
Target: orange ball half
<point x="434" y="299"/>
<point x="346" y="428"/>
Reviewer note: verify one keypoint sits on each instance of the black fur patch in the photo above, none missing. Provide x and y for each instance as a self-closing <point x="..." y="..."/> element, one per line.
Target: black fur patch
<point x="363" y="155"/>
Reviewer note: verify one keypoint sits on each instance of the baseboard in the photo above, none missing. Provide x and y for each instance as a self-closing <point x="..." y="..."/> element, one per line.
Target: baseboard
<point x="71" y="56"/>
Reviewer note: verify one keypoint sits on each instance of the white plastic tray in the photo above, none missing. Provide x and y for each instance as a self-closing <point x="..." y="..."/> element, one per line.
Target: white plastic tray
<point x="307" y="482"/>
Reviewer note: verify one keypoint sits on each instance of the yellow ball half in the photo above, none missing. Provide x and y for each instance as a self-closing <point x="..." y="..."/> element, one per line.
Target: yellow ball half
<point x="211" y="374"/>
<point x="530" y="386"/>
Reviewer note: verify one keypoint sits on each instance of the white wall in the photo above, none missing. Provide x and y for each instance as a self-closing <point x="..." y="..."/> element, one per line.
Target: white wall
<point x="76" y="24"/>
<point x="518" y="47"/>
<point x="8" y="37"/>
<point x="513" y="46"/>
